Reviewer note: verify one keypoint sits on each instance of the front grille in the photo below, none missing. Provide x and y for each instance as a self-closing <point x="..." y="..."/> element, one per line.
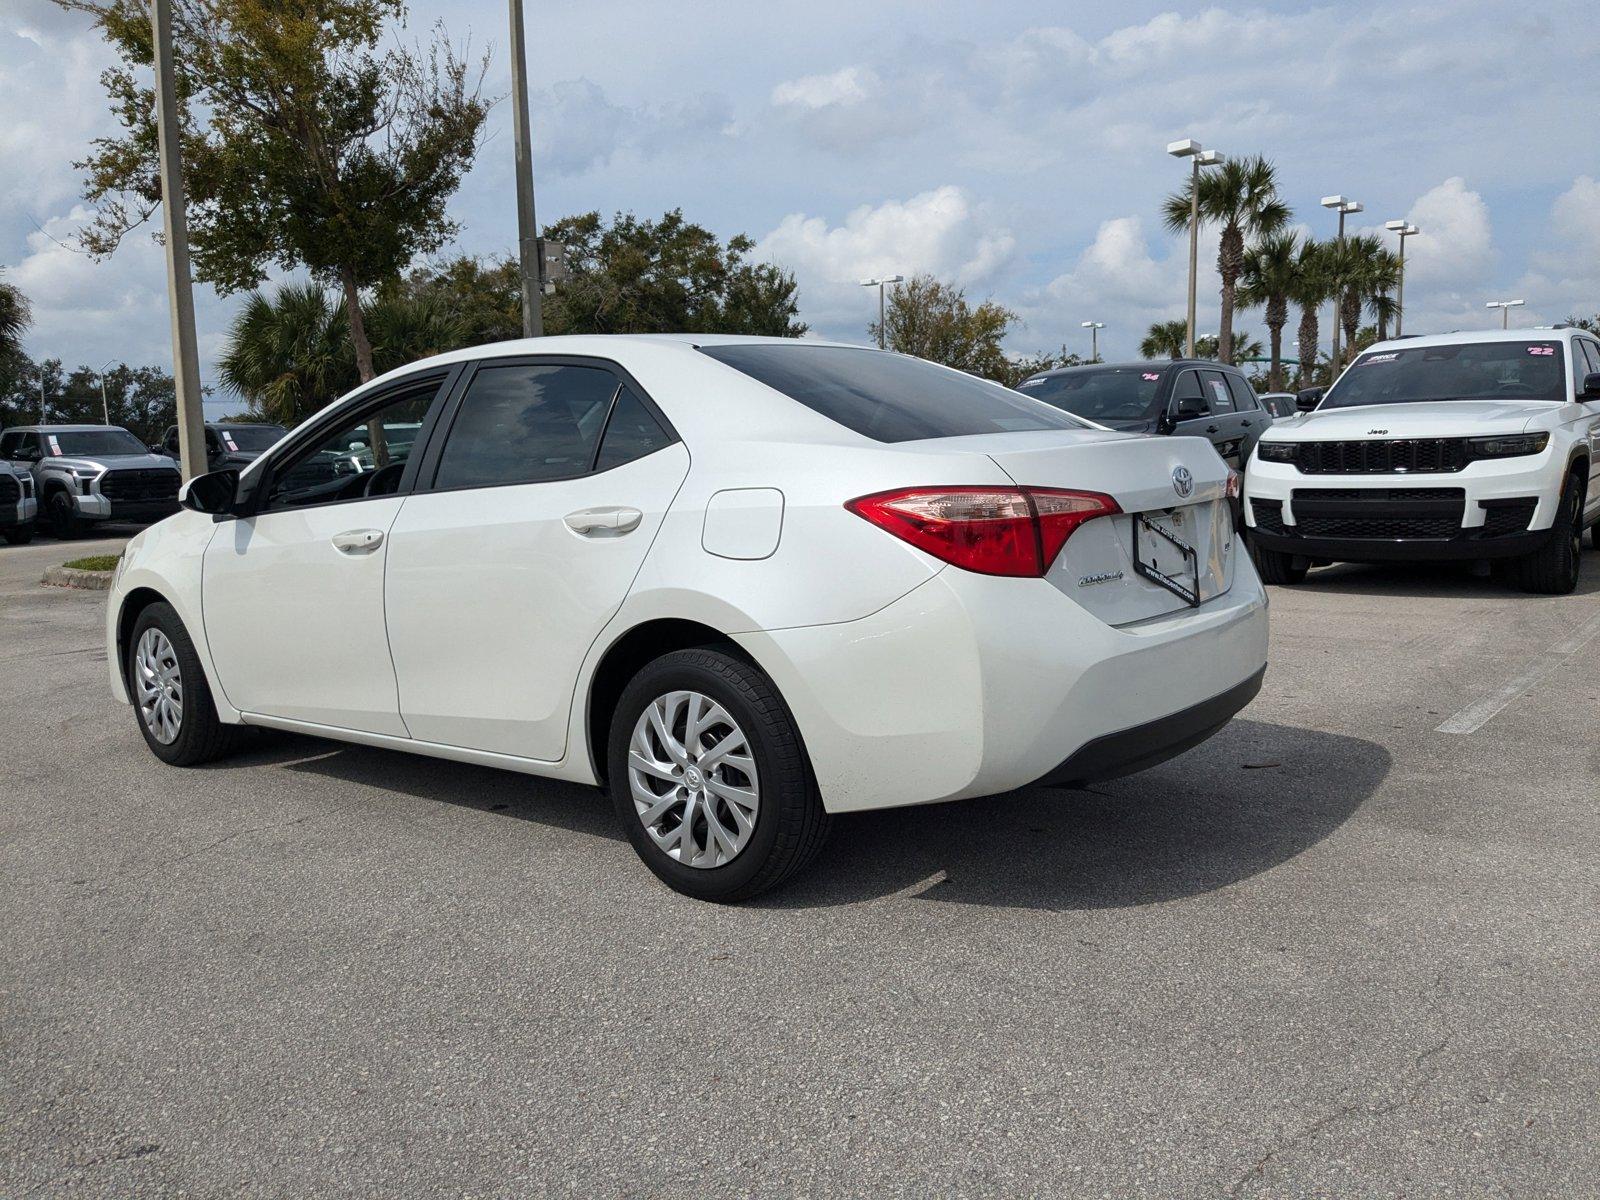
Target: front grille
<point x="1269" y="515"/>
<point x="1503" y="517"/>
<point x="10" y="489"/>
<point x="1403" y="456"/>
<point x="139" y="485"/>
<point x="1385" y="514"/>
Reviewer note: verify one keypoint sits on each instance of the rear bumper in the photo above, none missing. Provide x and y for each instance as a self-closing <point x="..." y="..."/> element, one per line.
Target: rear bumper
<point x="1129" y="750"/>
<point x="973" y="686"/>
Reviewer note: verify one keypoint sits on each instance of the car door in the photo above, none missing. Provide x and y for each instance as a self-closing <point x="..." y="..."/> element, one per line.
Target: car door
<point x="1251" y="414"/>
<point x="1189" y="408"/>
<point x="546" y="492"/>
<point x="292" y="591"/>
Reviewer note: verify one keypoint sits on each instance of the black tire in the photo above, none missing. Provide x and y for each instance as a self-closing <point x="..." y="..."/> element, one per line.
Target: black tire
<point x="62" y="516"/>
<point x="201" y="736"/>
<point x="1276" y="567"/>
<point x="1552" y="570"/>
<point x="20" y="535"/>
<point x="790" y="822"/>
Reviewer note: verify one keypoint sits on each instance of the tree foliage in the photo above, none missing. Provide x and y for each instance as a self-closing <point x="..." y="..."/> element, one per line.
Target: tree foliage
<point x="1165" y="339"/>
<point x="16" y="315"/>
<point x="305" y="145"/>
<point x="140" y="399"/>
<point x="1266" y="281"/>
<point x="1242" y="197"/>
<point x="934" y="320"/>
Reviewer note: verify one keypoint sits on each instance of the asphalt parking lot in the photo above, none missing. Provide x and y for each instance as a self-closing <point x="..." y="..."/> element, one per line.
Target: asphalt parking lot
<point x="1348" y="947"/>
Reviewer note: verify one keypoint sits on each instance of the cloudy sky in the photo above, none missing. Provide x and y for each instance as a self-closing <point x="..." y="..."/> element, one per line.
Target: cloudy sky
<point x="1014" y="146"/>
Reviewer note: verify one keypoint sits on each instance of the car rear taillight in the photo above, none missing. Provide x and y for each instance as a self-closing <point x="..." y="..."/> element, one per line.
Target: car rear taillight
<point x="990" y="530"/>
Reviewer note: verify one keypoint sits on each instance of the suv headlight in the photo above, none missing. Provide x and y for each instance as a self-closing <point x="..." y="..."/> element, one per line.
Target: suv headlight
<point x="1509" y="445"/>
<point x="1276" y="451"/>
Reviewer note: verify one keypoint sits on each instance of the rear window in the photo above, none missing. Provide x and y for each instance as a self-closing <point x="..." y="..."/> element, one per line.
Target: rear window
<point x="890" y="397"/>
<point x="1099" y="393"/>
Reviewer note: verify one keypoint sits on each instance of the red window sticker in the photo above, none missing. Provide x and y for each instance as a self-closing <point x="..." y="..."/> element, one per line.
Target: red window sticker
<point x="1542" y="351"/>
<point x="55" y="446"/>
<point x="227" y="439"/>
<point x="1151" y="377"/>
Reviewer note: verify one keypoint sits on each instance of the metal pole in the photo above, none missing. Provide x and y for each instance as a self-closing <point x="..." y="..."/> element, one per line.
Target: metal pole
<point x="527" y="229"/>
<point x="1094" y="345"/>
<point x="1194" y="249"/>
<point x="881" y="314"/>
<point x="105" y="406"/>
<point x="175" y="226"/>
<point x="1400" y="300"/>
<point x="1338" y="306"/>
<point x="1505" y="316"/>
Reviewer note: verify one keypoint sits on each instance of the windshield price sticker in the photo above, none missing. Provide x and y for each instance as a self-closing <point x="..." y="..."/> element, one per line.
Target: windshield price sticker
<point x="55" y="446"/>
<point x="1542" y="351"/>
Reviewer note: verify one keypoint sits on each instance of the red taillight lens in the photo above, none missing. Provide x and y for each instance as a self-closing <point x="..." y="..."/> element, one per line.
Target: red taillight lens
<point x="993" y="531"/>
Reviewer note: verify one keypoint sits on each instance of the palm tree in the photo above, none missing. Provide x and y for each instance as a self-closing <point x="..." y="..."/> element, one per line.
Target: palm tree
<point x="1165" y="340"/>
<point x="1242" y="197"/>
<point x="290" y="353"/>
<point x="15" y="317"/>
<point x="1268" y="278"/>
<point x="1312" y="287"/>
<point x="1244" y="346"/>
<point x="1365" y="271"/>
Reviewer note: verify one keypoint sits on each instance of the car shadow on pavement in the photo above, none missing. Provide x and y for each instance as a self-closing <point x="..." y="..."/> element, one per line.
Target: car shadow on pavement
<point x="1254" y="796"/>
<point x="1444" y="580"/>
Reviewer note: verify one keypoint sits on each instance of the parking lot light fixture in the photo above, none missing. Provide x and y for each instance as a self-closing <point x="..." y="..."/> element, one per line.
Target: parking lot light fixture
<point x="880" y="284"/>
<point x="1405" y="229"/>
<point x="1344" y="206"/>
<point x="1094" y="328"/>
<point x="1505" y="307"/>
<point x="1198" y="157"/>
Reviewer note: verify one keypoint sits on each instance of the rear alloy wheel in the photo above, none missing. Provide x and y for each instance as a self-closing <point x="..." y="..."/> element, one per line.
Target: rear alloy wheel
<point x="170" y="695"/>
<point x="709" y="779"/>
<point x="1552" y="570"/>
<point x="1274" y="566"/>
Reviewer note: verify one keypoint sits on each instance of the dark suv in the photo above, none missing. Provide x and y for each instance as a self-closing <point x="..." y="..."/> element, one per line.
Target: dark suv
<point x="228" y="443"/>
<point x="1190" y="397"/>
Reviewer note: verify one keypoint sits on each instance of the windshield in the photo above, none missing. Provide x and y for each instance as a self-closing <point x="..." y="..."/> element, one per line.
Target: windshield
<point x="1104" y="394"/>
<point x="889" y="397"/>
<point x="1531" y="370"/>
<point x="94" y="443"/>
<point x="250" y="437"/>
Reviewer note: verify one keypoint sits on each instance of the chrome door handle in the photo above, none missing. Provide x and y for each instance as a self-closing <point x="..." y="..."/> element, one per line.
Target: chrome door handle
<point x="358" y="541"/>
<point x="604" y="522"/>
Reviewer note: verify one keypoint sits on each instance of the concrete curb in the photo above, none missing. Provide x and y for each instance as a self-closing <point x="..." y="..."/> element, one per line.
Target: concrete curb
<point x="94" y="581"/>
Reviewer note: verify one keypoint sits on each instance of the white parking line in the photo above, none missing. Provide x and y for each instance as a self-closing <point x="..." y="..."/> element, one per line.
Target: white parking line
<point x="1473" y="717"/>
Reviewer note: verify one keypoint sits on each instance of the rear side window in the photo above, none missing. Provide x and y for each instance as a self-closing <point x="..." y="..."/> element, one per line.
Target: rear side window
<point x="1217" y="394"/>
<point x="525" y="424"/>
<point x="890" y="397"/>
<point x="1244" y="396"/>
<point x="632" y="432"/>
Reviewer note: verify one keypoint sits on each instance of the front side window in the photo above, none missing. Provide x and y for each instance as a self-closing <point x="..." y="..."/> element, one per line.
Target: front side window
<point x="526" y="423"/>
<point x="889" y="397"/>
<point x="1592" y="351"/>
<point x="10" y="443"/>
<point x="94" y="443"/>
<point x="1500" y="370"/>
<point x="362" y="456"/>
<point x="1188" y="400"/>
<point x="1100" y="394"/>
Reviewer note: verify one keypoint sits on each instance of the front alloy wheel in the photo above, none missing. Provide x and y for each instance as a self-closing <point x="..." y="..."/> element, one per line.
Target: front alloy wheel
<point x="158" y="680"/>
<point x="693" y="779"/>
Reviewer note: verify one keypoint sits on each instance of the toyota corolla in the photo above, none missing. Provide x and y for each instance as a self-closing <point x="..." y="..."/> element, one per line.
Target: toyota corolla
<point x="744" y="584"/>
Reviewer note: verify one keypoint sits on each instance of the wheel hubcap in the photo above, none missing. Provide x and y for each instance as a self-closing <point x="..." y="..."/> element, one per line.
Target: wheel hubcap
<point x="693" y="779"/>
<point x="159" y="684"/>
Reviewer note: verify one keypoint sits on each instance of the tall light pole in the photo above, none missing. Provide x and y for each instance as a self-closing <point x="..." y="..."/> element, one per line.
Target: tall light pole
<point x="1343" y="207"/>
<point x="1405" y="230"/>
<point x="175" y="227"/>
<point x="1094" y="328"/>
<point x="880" y="284"/>
<point x="105" y="405"/>
<point x="1505" y="307"/>
<point x="1198" y="157"/>
<point x="527" y="229"/>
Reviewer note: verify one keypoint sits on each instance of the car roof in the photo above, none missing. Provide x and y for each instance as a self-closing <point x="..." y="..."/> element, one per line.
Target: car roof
<point x="1457" y="336"/>
<point x="61" y="428"/>
<point x="1137" y="364"/>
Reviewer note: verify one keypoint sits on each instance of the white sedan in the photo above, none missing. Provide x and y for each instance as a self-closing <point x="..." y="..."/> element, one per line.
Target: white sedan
<point x="743" y="583"/>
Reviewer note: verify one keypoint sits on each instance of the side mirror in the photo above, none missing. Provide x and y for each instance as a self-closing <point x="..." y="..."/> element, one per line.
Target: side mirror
<point x="213" y="493"/>
<point x="1305" y="401"/>
<point x="1591" y="386"/>
<point x="1189" y="409"/>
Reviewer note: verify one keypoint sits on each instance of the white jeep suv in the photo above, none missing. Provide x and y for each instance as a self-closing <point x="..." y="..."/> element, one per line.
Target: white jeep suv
<point x="1469" y="446"/>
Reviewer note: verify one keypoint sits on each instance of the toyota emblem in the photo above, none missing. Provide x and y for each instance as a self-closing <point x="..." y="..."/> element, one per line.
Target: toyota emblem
<point x="1182" y="481"/>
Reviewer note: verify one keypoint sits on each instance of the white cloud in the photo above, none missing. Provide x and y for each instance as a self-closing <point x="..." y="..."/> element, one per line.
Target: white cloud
<point x="1455" y="245"/>
<point x="848" y="86"/>
<point x="1575" y="218"/>
<point x="943" y="232"/>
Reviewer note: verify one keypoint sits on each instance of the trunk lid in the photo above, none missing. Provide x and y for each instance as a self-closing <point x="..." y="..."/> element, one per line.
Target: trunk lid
<point x="1098" y="568"/>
